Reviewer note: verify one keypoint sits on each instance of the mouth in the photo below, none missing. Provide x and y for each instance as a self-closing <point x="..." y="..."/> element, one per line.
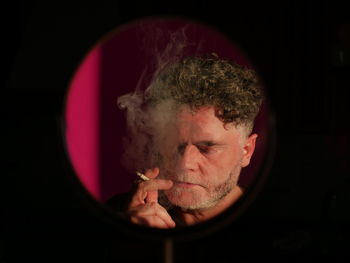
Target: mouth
<point x="184" y="184"/>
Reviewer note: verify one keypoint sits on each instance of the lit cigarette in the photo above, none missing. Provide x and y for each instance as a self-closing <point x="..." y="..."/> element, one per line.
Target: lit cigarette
<point x="142" y="176"/>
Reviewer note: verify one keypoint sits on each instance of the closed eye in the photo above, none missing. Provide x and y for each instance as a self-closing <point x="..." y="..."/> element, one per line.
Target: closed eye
<point x="205" y="149"/>
<point x="208" y="147"/>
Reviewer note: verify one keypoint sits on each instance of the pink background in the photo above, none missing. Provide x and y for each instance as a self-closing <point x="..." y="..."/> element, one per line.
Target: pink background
<point x="94" y="123"/>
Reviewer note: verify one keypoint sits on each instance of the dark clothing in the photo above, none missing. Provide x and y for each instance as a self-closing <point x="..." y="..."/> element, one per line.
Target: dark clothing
<point x="119" y="202"/>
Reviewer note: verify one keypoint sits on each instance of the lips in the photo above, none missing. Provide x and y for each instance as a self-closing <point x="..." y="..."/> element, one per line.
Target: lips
<point x="185" y="184"/>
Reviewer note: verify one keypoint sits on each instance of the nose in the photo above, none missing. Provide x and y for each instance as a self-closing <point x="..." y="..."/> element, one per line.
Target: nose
<point x="190" y="157"/>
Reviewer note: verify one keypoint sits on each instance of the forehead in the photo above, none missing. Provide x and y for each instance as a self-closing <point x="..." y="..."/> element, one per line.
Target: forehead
<point x="203" y="121"/>
<point x="203" y="116"/>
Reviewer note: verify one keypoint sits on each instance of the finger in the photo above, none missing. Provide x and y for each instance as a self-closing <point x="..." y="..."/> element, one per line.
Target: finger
<point x="150" y="221"/>
<point x="146" y="188"/>
<point x="154" y="214"/>
<point x="152" y="173"/>
<point x="157" y="184"/>
<point x="158" y="223"/>
<point x="155" y="209"/>
<point x="152" y="195"/>
<point x="163" y="213"/>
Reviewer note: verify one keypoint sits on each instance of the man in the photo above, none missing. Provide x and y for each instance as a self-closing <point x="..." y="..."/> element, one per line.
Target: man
<point x="202" y="112"/>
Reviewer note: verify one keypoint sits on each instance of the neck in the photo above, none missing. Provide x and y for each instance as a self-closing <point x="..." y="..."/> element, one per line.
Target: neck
<point x="190" y="217"/>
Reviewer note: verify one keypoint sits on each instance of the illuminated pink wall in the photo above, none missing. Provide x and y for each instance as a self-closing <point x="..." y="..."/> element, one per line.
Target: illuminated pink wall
<point x="112" y="68"/>
<point x="82" y="121"/>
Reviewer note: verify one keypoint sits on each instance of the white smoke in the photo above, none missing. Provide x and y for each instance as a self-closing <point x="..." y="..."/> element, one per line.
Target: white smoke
<point x="151" y="132"/>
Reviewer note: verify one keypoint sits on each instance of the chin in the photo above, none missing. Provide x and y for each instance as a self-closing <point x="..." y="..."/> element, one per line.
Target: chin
<point x="188" y="200"/>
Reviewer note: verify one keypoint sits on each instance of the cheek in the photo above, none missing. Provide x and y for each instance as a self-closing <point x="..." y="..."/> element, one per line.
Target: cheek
<point x="233" y="157"/>
<point x="219" y="168"/>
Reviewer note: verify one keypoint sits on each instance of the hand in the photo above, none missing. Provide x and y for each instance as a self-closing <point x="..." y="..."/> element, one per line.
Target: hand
<point x="144" y="208"/>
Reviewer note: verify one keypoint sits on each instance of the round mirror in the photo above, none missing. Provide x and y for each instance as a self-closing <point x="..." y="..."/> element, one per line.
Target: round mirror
<point x="167" y="127"/>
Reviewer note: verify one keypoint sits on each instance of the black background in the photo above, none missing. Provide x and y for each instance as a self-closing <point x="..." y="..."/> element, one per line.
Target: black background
<point x="301" y="48"/>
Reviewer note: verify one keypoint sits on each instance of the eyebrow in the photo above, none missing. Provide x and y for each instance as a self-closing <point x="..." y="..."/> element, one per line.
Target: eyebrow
<point x="207" y="143"/>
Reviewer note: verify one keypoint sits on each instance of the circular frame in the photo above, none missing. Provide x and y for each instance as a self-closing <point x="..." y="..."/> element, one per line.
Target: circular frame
<point x="108" y="215"/>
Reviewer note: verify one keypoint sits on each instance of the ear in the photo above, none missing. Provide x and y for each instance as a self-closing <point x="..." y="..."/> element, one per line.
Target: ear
<point x="248" y="149"/>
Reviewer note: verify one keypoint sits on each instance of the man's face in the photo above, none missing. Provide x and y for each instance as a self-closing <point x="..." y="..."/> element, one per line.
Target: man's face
<point x="204" y="160"/>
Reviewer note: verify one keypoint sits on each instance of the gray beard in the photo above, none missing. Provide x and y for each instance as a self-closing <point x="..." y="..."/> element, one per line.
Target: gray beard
<point x="220" y="192"/>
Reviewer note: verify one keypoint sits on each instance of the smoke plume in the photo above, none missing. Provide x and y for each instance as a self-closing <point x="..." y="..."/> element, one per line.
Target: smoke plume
<point x="151" y="129"/>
